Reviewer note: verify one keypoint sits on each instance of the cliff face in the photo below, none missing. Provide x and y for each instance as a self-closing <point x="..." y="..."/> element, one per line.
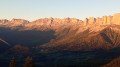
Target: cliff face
<point x="55" y="23"/>
<point x="14" y="23"/>
<point x="116" y="19"/>
<point x="74" y="34"/>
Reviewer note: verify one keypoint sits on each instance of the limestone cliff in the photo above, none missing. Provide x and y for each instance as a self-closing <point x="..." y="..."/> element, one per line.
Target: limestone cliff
<point x="91" y="20"/>
<point x="116" y="19"/>
<point x="56" y="23"/>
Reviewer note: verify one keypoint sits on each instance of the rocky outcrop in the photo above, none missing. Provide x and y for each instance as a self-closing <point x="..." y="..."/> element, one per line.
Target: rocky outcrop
<point x="13" y="23"/>
<point x="74" y="20"/>
<point x="3" y="21"/>
<point x="99" y="20"/>
<point x="85" y="21"/>
<point x="109" y="20"/>
<point x="50" y="20"/>
<point x="19" y="20"/>
<point x="91" y="20"/>
<point x="16" y="23"/>
<point x="116" y="19"/>
<point x="104" y="19"/>
<point x="73" y="30"/>
<point x="55" y="23"/>
<point x="66" y="20"/>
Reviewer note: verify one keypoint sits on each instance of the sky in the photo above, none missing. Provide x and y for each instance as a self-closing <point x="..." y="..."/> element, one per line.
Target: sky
<point x="35" y="9"/>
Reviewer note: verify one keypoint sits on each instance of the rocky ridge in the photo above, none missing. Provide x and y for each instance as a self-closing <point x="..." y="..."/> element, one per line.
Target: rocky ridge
<point x="74" y="34"/>
<point x="56" y="23"/>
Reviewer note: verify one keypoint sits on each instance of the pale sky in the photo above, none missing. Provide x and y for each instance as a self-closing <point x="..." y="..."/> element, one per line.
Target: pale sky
<point x="36" y="9"/>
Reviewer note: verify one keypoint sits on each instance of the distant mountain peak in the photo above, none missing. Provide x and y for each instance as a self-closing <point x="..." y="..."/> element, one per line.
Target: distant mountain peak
<point x="56" y="22"/>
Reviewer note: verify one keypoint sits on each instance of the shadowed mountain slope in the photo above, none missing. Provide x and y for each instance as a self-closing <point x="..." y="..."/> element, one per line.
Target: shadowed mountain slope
<point x="113" y="63"/>
<point x="64" y="34"/>
<point x="107" y="38"/>
<point x="4" y="46"/>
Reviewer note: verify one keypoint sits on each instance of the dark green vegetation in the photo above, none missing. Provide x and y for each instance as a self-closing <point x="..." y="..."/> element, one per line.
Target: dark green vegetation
<point x="28" y="63"/>
<point x="12" y="63"/>
<point x="63" y="48"/>
<point x="64" y="58"/>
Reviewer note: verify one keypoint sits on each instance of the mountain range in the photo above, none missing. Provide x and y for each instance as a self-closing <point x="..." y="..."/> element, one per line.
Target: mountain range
<point x="63" y="41"/>
<point x="70" y="33"/>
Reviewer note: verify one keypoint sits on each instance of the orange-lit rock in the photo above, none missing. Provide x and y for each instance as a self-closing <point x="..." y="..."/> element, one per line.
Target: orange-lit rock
<point x="4" y="20"/>
<point x="104" y="19"/>
<point x="50" y="20"/>
<point x="85" y="21"/>
<point x="66" y="20"/>
<point x="109" y="20"/>
<point x="74" y="20"/>
<point x="99" y="20"/>
<point x="57" y="23"/>
<point x="91" y="20"/>
<point x="116" y="19"/>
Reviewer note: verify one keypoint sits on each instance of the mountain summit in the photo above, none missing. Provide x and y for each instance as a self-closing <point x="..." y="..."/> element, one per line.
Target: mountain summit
<point x="56" y="22"/>
<point x="71" y="33"/>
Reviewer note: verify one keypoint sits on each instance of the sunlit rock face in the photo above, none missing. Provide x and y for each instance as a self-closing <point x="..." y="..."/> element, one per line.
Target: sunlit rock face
<point x="19" y="21"/>
<point x="57" y="23"/>
<point x="13" y="23"/>
<point x="74" y="20"/>
<point x="50" y="21"/>
<point x="3" y="21"/>
<point x="71" y="30"/>
<point x="109" y="20"/>
<point x="116" y="19"/>
<point x="85" y="21"/>
<point x="104" y="19"/>
<point x="16" y="23"/>
<point x="66" y="20"/>
<point x="99" y="20"/>
<point x="91" y="20"/>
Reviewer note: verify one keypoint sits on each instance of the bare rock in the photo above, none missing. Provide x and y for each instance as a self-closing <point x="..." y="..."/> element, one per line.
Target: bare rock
<point x="116" y="19"/>
<point x="85" y="21"/>
<point x="4" y="20"/>
<point x="109" y="20"/>
<point x="99" y="20"/>
<point x="91" y="20"/>
<point x="74" y="20"/>
<point x="104" y="19"/>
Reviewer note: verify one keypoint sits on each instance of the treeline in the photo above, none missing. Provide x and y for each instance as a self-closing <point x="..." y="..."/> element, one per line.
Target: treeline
<point x="28" y="62"/>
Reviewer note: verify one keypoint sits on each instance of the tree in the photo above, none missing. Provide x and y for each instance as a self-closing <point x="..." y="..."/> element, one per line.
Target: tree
<point x="12" y="63"/>
<point x="29" y="62"/>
